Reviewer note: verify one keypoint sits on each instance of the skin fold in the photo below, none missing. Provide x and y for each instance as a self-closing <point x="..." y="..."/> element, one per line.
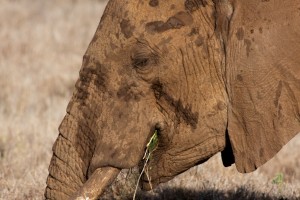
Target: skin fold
<point x="209" y="76"/>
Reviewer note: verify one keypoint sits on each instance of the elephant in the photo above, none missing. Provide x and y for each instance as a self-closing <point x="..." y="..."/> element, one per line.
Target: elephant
<point x="208" y="76"/>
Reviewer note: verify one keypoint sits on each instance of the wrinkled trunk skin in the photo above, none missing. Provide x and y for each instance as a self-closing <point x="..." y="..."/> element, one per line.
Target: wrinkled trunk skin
<point x="72" y="153"/>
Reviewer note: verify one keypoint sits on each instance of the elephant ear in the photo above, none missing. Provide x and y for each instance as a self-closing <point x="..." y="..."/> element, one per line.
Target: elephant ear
<point x="263" y="79"/>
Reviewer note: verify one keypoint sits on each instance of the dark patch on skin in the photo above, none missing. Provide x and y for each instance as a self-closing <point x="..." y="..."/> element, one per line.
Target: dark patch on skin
<point x="260" y="30"/>
<point x="82" y="83"/>
<point x="181" y="111"/>
<point x="194" y="31"/>
<point x="265" y="0"/>
<point x="173" y="7"/>
<point x="175" y="22"/>
<point x="157" y="87"/>
<point x="193" y="5"/>
<point x="239" y="77"/>
<point x="157" y="26"/>
<point x="154" y="3"/>
<point x="126" y="28"/>
<point x="92" y="73"/>
<point x="199" y="41"/>
<point x="127" y="93"/>
<point x="101" y="76"/>
<point x="81" y="93"/>
<point x="240" y="34"/>
<point x="248" y="46"/>
<point x="252" y="31"/>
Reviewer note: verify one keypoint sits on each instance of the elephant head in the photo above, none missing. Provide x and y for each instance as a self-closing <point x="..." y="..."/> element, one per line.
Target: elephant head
<point x="208" y="75"/>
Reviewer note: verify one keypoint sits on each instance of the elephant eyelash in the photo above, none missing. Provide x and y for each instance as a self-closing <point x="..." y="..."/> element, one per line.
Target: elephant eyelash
<point x="144" y="58"/>
<point x="140" y="62"/>
<point x="143" y="55"/>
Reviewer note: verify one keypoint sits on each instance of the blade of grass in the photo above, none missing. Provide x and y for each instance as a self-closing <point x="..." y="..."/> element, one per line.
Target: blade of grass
<point x="151" y="147"/>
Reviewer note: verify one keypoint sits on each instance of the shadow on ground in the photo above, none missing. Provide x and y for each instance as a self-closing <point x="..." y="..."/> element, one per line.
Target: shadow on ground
<point x="241" y="193"/>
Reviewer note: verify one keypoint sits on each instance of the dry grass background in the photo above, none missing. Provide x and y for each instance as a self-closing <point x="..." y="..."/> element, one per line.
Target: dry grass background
<point x="41" y="48"/>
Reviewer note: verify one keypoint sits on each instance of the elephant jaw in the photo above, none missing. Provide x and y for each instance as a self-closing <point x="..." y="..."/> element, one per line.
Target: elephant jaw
<point x="97" y="183"/>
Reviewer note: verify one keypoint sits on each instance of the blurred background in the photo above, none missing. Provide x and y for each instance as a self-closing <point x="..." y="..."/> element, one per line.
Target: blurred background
<point x="41" y="48"/>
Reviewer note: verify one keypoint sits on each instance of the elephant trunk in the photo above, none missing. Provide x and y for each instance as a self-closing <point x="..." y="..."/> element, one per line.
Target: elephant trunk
<point x="72" y="152"/>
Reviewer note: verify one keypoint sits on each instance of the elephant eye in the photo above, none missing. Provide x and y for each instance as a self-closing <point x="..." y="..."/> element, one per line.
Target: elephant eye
<point x="143" y="57"/>
<point x="144" y="62"/>
<point x="140" y="62"/>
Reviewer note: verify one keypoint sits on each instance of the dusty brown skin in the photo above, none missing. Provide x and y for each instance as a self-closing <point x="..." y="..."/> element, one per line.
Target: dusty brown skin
<point x="210" y="76"/>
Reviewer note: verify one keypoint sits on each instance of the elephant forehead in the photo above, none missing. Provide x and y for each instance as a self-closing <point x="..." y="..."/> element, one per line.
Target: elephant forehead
<point x="156" y="21"/>
<point x="156" y="16"/>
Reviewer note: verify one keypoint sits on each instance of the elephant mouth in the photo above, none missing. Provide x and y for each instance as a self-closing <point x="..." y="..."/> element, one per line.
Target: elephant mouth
<point x="104" y="176"/>
<point x="157" y="143"/>
<point x="152" y="145"/>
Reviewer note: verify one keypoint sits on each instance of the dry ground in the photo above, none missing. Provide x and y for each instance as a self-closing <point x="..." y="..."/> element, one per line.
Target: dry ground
<point x="41" y="48"/>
